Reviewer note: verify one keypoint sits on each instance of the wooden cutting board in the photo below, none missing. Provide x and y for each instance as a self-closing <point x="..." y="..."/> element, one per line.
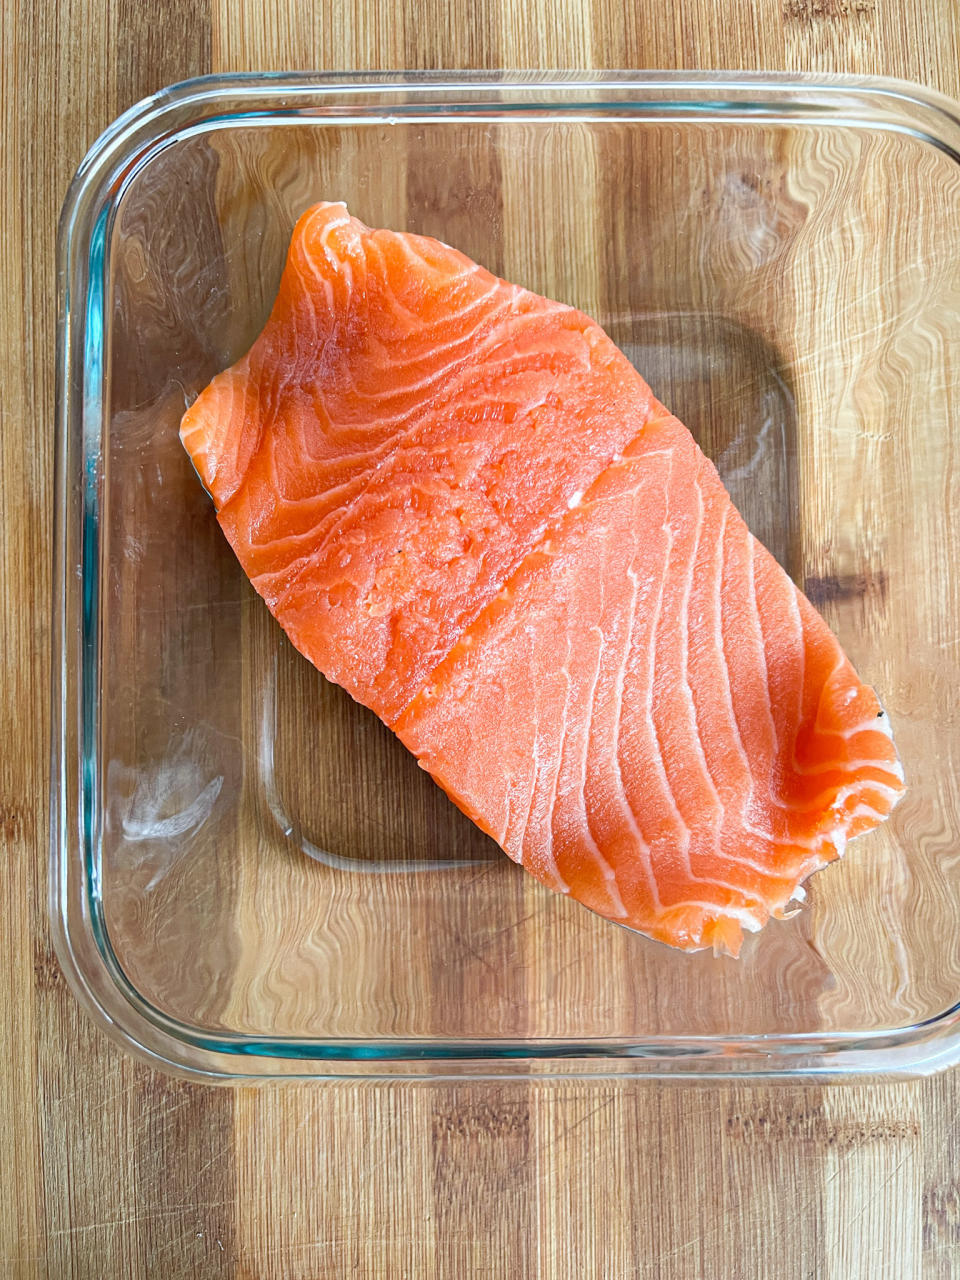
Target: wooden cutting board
<point x="110" y="1170"/>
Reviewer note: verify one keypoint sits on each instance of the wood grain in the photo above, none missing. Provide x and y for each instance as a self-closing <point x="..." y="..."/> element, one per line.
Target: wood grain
<point x="109" y="1170"/>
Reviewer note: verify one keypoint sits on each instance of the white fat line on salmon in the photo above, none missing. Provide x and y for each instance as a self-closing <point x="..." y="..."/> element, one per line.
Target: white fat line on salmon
<point x="842" y="794"/>
<point x="520" y="840"/>
<point x="758" y="627"/>
<point x="839" y="839"/>
<point x="540" y="846"/>
<point x="322" y="280"/>
<point x="658" y="756"/>
<point x="501" y="835"/>
<point x="749" y="789"/>
<point x="892" y="767"/>
<point x="685" y="653"/>
<point x="864" y="810"/>
<point x="606" y="868"/>
<point x="301" y="564"/>
<point x="843" y="820"/>
<point x="775" y="874"/>
<point x="815" y="862"/>
<point x="469" y="348"/>
<point x="793" y="596"/>
<point x="778" y="843"/>
<point x="686" y="838"/>
<point x="417" y="327"/>
<point x="725" y="670"/>
<point x="405" y="244"/>
<point x="783" y="805"/>
<point x="879" y="723"/>
<point x="461" y="355"/>
<point x="331" y="225"/>
<point x="849" y="694"/>
<point x="562" y="738"/>
<point x="715" y="911"/>
<point x="625" y="805"/>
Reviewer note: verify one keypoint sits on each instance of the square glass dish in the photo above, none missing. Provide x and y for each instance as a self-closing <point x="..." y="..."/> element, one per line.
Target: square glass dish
<point x="250" y="877"/>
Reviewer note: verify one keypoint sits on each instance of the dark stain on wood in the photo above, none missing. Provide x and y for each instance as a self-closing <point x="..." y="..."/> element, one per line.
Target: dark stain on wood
<point x="47" y="974"/>
<point x="840" y="588"/>
<point x="810" y="11"/>
<point x="941" y="1218"/>
<point x="476" y="1121"/>
<point x="491" y="1133"/>
<point x="809" y="1124"/>
<point x="16" y="822"/>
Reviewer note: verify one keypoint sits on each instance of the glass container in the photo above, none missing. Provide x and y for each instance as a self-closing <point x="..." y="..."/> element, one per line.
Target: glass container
<point x="250" y="877"/>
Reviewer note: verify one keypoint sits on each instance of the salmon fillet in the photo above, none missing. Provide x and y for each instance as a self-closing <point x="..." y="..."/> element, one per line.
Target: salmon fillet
<point x="465" y="506"/>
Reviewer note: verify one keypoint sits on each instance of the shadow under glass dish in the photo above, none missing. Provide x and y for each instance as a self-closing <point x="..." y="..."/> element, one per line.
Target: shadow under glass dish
<point x="754" y="267"/>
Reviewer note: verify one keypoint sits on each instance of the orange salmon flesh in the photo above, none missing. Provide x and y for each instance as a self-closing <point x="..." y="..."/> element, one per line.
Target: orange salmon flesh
<point x="464" y="505"/>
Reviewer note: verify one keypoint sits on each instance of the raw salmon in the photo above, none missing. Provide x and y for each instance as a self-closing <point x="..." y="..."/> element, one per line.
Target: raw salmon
<point x="463" y="504"/>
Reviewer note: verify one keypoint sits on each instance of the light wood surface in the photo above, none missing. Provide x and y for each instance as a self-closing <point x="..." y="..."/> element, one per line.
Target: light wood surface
<point x="110" y="1170"/>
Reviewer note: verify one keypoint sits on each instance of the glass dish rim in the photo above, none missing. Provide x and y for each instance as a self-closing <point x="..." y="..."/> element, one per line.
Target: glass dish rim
<point x="79" y="934"/>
